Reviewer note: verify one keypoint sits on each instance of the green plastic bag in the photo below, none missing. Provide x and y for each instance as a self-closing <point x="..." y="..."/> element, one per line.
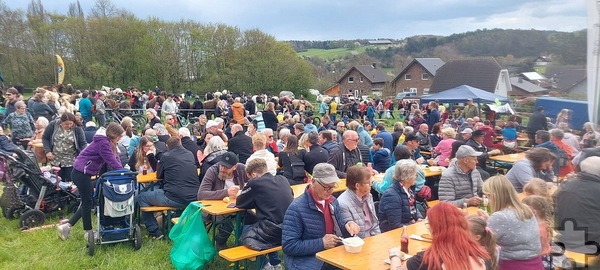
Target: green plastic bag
<point x="192" y="248"/>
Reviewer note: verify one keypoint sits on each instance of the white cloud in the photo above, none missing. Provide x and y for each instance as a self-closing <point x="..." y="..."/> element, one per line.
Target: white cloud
<point x="351" y="19"/>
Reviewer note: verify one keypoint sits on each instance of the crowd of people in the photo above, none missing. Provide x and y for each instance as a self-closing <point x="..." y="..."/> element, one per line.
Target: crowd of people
<point x="250" y="152"/>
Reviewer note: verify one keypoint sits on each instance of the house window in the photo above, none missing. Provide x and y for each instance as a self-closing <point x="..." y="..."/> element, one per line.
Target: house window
<point x="350" y="79"/>
<point x="425" y="91"/>
<point x="407" y="77"/>
<point x="361" y="79"/>
<point x="424" y="76"/>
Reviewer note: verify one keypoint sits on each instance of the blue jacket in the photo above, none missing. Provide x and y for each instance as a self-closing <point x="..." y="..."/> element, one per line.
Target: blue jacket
<point x="394" y="211"/>
<point x="364" y="136"/>
<point x="432" y="118"/>
<point x="303" y="230"/>
<point x="85" y="107"/>
<point x="387" y="139"/>
<point x="381" y="159"/>
<point x="329" y="146"/>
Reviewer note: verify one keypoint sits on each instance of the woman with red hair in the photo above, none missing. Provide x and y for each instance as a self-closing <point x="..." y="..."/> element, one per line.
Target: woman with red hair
<point x="452" y="245"/>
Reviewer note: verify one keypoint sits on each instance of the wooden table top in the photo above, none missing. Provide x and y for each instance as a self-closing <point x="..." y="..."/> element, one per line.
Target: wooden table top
<point x="375" y="249"/>
<point x="519" y="139"/>
<point x="510" y="158"/>
<point x="219" y="207"/>
<point x="428" y="173"/>
<point x="148" y="178"/>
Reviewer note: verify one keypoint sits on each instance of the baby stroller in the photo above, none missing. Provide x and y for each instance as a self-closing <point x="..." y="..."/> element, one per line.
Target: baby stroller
<point x="116" y="210"/>
<point x="28" y="194"/>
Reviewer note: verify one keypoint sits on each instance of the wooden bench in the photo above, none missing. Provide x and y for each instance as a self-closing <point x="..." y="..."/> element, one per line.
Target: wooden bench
<point x="167" y="215"/>
<point x="236" y="254"/>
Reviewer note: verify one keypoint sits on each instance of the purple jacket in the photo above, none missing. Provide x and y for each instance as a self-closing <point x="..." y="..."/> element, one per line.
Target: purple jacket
<point x="91" y="159"/>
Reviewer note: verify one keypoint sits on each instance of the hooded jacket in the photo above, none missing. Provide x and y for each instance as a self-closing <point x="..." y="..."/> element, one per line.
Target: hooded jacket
<point x="95" y="155"/>
<point x="237" y="112"/>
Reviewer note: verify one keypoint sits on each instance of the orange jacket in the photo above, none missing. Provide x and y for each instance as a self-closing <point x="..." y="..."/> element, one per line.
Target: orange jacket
<point x="564" y="170"/>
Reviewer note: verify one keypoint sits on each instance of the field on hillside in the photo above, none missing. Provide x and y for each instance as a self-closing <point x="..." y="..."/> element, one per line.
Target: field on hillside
<point x="332" y="53"/>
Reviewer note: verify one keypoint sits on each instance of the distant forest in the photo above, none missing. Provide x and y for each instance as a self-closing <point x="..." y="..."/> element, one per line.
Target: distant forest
<point x="513" y="49"/>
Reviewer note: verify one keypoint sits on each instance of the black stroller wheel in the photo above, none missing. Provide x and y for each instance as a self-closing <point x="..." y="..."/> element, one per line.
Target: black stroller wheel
<point x="8" y="213"/>
<point x="32" y="218"/>
<point x="137" y="237"/>
<point x="91" y="244"/>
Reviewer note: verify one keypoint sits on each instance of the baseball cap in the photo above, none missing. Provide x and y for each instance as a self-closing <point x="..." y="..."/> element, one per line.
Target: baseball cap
<point x="411" y="137"/>
<point x="211" y="123"/>
<point x="90" y="124"/>
<point x="478" y="133"/>
<point x="467" y="151"/>
<point x="325" y="173"/>
<point x="467" y="130"/>
<point x="229" y="159"/>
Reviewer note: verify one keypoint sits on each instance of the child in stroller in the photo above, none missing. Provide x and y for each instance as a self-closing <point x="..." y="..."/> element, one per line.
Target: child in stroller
<point x="51" y="173"/>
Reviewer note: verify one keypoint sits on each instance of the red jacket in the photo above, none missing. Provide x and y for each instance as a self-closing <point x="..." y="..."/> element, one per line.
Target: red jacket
<point x="564" y="170"/>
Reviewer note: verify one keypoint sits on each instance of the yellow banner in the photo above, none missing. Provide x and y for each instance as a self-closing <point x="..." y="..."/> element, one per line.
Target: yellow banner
<point x="60" y="69"/>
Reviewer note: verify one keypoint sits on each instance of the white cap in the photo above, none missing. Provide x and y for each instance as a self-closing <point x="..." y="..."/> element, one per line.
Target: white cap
<point x="211" y="123"/>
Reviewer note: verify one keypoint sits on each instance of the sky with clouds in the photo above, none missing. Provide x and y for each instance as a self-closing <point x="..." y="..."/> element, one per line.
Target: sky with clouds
<point x="354" y="19"/>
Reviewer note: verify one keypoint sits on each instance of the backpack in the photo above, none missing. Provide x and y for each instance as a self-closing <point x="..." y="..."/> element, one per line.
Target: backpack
<point x="297" y="164"/>
<point x="562" y="158"/>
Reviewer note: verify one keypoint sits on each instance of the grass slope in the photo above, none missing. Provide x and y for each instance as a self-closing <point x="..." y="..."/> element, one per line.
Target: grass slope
<point x="332" y="53"/>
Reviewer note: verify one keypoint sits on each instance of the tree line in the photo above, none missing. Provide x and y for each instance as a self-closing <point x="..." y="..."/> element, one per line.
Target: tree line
<point x="112" y="47"/>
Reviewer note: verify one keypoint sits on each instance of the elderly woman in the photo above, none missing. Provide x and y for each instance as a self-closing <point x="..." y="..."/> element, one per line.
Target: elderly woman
<point x="20" y="123"/>
<point x="398" y="205"/>
<point x="515" y="226"/>
<point x="444" y="147"/>
<point x="212" y="154"/>
<point x="283" y="134"/>
<point x="40" y="126"/>
<point x="161" y="132"/>
<point x="356" y="203"/>
<point x="40" y="108"/>
<point x="536" y="164"/>
<point x="152" y="117"/>
<point x="591" y="137"/>
<point x="401" y="152"/>
<point x="63" y="140"/>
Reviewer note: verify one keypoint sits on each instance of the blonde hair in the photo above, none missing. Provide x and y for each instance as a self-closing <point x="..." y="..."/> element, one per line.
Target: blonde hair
<point x="504" y="196"/>
<point x="449" y="132"/>
<point x="542" y="207"/>
<point x="302" y="141"/>
<point x="259" y="141"/>
<point x="478" y="226"/>
<point x="537" y="186"/>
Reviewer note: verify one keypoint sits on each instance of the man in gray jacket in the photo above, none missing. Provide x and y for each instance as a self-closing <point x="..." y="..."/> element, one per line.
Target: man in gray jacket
<point x="461" y="183"/>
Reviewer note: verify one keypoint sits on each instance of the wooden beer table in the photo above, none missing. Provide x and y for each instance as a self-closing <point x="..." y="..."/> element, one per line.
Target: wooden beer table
<point x="510" y="158"/>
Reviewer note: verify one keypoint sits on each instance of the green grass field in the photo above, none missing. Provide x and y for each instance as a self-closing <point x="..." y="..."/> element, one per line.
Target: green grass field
<point x="42" y="249"/>
<point x="332" y="53"/>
